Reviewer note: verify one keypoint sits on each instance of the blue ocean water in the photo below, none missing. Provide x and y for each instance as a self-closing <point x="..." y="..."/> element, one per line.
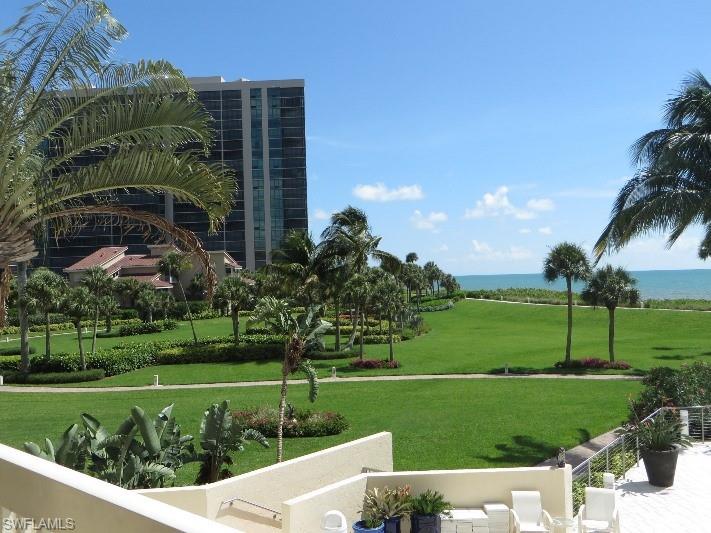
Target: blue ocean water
<point x="651" y="283"/>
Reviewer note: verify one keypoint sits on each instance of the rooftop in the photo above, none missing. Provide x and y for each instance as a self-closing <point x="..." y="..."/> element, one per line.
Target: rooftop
<point x="97" y="258"/>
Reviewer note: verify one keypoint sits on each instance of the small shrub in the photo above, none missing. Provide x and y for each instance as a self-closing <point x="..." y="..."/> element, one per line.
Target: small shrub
<point x="217" y="353"/>
<point x="258" y="331"/>
<point x="169" y="324"/>
<point x="368" y="364"/>
<point x="56" y="377"/>
<point x="594" y="363"/>
<point x="141" y="328"/>
<point x="298" y="422"/>
<point x="14" y="350"/>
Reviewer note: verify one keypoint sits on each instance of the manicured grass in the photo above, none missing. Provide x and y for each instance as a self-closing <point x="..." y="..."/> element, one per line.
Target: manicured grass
<point x="435" y="423"/>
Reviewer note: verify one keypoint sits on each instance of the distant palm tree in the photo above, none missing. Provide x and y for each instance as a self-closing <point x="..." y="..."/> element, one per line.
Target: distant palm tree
<point x="432" y="274"/>
<point x="412" y="257"/>
<point x="570" y="262"/>
<point x="77" y="303"/>
<point x="107" y="308"/>
<point x="238" y="294"/>
<point x="147" y="301"/>
<point x="173" y="264"/>
<point x="610" y="287"/>
<point x="299" y="332"/>
<point x="359" y="290"/>
<point x="671" y="191"/>
<point x="64" y="96"/>
<point x="302" y="264"/>
<point x="388" y="293"/>
<point x="43" y="291"/>
<point x="100" y="284"/>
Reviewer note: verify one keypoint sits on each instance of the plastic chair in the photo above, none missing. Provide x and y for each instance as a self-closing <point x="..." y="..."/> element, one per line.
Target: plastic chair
<point x="599" y="514"/>
<point x="527" y="513"/>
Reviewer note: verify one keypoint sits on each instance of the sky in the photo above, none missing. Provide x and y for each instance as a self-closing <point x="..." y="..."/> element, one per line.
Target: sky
<point x="477" y="134"/>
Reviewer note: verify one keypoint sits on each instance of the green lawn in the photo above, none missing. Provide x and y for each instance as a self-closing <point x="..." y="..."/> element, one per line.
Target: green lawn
<point x="435" y="424"/>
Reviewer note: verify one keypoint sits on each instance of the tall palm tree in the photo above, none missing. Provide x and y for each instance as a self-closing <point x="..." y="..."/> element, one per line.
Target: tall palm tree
<point x="301" y="263"/>
<point x="77" y="304"/>
<point x="173" y="264"/>
<point x="43" y="292"/>
<point x="671" y="190"/>
<point x="411" y="257"/>
<point x="388" y="292"/>
<point x="107" y="308"/>
<point x="299" y="333"/>
<point x="568" y="261"/>
<point x="432" y="274"/>
<point x="611" y="287"/>
<point x="359" y="291"/>
<point x="238" y="293"/>
<point x="147" y="301"/>
<point x="63" y="97"/>
<point x="100" y="284"/>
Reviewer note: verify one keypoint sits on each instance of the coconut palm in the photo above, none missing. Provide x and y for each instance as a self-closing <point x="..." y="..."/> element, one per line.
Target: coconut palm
<point x="173" y="264"/>
<point x="165" y="303"/>
<point x="671" y="190"/>
<point x="77" y="303"/>
<point x="63" y="97"/>
<point x="432" y="274"/>
<point x="299" y="333"/>
<point x="412" y="257"/>
<point x="334" y="279"/>
<point x="568" y="261"/>
<point x="147" y="301"/>
<point x="239" y="294"/>
<point x="100" y="284"/>
<point x="43" y="292"/>
<point x="359" y="291"/>
<point x="107" y="308"/>
<point x="301" y="264"/>
<point x="388" y="293"/>
<point x="450" y="284"/>
<point x="610" y="287"/>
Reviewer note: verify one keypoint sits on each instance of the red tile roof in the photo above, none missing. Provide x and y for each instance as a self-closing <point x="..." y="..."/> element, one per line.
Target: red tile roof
<point x="138" y="261"/>
<point x="152" y="279"/>
<point x="98" y="258"/>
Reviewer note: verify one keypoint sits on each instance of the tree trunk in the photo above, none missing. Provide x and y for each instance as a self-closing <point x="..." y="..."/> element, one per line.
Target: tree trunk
<point x="569" y="339"/>
<point x="150" y="314"/>
<point x="46" y="334"/>
<point x="282" y="405"/>
<point x="190" y="315"/>
<point x="362" y="333"/>
<point x="82" y="359"/>
<point x="611" y="335"/>
<point x="390" y="334"/>
<point x="108" y="323"/>
<point x="5" y="276"/>
<point x="22" y="315"/>
<point x="337" y="307"/>
<point x="96" y="326"/>
<point x="235" y="324"/>
<point x="354" y="323"/>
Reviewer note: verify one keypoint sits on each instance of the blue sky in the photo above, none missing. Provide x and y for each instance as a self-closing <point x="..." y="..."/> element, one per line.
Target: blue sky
<point x="476" y="134"/>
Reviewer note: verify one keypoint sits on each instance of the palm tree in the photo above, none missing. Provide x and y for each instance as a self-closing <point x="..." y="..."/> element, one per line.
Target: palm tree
<point x="107" y="308"/>
<point x="301" y="264"/>
<point x="173" y="264"/>
<point x="299" y="334"/>
<point x="671" y="190"/>
<point x="238" y="294"/>
<point x="164" y="303"/>
<point x="569" y="261"/>
<point x="412" y="257"/>
<point x="334" y="279"/>
<point x="359" y="291"/>
<point x="388" y="292"/>
<point x="449" y="283"/>
<point x="43" y="292"/>
<point x="432" y="274"/>
<point x="100" y="284"/>
<point x="147" y="301"/>
<point x="610" y="287"/>
<point x="77" y="303"/>
<point x="63" y="96"/>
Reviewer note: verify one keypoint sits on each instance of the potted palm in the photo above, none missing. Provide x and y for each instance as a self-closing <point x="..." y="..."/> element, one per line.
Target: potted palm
<point x="660" y="439"/>
<point x="426" y="509"/>
<point x="388" y="505"/>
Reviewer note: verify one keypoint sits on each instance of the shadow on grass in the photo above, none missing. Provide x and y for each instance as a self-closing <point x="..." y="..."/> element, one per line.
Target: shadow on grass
<point x="677" y="357"/>
<point x="522" y="450"/>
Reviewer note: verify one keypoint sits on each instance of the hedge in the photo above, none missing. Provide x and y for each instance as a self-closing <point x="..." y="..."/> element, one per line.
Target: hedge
<point x="55" y="377"/>
<point x="14" y="350"/>
<point x="141" y="328"/>
<point x="218" y="353"/>
<point x="439" y="307"/>
<point x="298" y="423"/>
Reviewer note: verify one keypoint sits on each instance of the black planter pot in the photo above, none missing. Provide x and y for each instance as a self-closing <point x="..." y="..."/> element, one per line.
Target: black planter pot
<point x="660" y="466"/>
<point x="392" y="525"/>
<point x="426" y="523"/>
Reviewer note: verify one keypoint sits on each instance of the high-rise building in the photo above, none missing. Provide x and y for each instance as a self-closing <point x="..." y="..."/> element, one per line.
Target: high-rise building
<point x="260" y="134"/>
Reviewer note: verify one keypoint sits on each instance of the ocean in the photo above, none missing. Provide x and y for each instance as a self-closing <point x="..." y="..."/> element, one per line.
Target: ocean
<point x="662" y="284"/>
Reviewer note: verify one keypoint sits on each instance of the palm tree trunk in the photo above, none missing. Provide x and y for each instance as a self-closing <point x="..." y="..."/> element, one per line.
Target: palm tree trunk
<point x="46" y="334"/>
<point x="611" y="335"/>
<point x="82" y="359"/>
<point x="4" y="293"/>
<point x="354" y="323"/>
<point x="108" y="323"/>
<point x="235" y="324"/>
<point x="22" y="315"/>
<point x="390" y="334"/>
<point x="569" y="339"/>
<point x="362" y="333"/>
<point x="337" y="307"/>
<point x="96" y="325"/>
<point x="190" y="315"/>
<point x="282" y="406"/>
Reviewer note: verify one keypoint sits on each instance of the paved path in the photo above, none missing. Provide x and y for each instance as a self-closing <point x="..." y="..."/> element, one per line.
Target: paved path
<point x="577" y="455"/>
<point x="353" y="379"/>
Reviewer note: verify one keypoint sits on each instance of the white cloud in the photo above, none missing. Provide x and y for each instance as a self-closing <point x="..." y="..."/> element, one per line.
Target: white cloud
<point x="427" y="222"/>
<point x="524" y="231"/>
<point x="497" y="204"/>
<point x="381" y="193"/>
<point x="484" y="252"/>
<point x="320" y="214"/>
<point x="545" y="230"/>
<point x="540" y="204"/>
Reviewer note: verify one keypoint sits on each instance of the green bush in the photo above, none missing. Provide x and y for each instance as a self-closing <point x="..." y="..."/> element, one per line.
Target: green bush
<point x="169" y="324"/>
<point x="258" y="331"/>
<point x="113" y="361"/>
<point x="430" y="307"/>
<point x="298" y="423"/>
<point x="218" y="353"/>
<point x="14" y="350"/>
<point x="55" y="377"/>
<point x="141" y="328"/>
<point x="619" y="463"/>
<point x="377" y="339"/>
<point x="10" y="330"/>
<point x="687" y="385"/>
<point x="10" y="363"/>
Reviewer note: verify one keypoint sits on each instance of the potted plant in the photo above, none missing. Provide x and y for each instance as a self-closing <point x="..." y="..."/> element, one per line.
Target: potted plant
<point x="390" y="505"/>
<point x="660" y="439"/>
<point x="426" y="509"/>
<point x="372" y="516"/>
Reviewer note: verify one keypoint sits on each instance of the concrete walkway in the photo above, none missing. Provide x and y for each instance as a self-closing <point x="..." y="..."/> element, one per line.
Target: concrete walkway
<point x="577" y="455"/>
<point x="353" y="379"/>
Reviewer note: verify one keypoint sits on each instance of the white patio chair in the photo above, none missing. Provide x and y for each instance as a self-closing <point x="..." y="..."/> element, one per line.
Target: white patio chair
<point x="527" y="513"/>
<point x="599" y="514"/>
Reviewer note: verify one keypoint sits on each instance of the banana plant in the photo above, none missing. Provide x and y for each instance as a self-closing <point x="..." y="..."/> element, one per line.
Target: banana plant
<point x="69" y="450"/>
<point x="219" y="436"/>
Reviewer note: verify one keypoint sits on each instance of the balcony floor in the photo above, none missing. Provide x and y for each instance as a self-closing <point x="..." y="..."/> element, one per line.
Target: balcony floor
<point x="681" y="508"/>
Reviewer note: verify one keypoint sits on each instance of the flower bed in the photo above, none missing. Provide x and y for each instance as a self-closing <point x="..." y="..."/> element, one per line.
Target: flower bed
<point x="367" y="364"/>
<point x="594" y="362"/>
<point x="297" y="423"/>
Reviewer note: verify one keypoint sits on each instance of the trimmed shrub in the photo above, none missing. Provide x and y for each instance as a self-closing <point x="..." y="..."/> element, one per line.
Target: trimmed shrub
<point x="437" y="307"/>
<point x="169" y="324"/>
<point x="593" y="362"/>
<point x="141" y="328"/>
<point x="258" y="331"/>
<point x="10" y="363"/>
<point x="10" y="330"/>
<point x="328" y="354"/>
<point x="260" y="339"/>
<point x="218" y="353"/>
<point x="117" y="360"/>
<point x="297" y="423"/>
<point x="377" y="339"/>
<point x="368" y="364"/>
<point x="14" y="350"/>
<point x="55" y="377"/>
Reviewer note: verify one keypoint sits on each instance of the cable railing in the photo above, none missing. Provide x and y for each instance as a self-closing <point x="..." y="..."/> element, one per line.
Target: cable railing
<point x="622" y="454"/>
